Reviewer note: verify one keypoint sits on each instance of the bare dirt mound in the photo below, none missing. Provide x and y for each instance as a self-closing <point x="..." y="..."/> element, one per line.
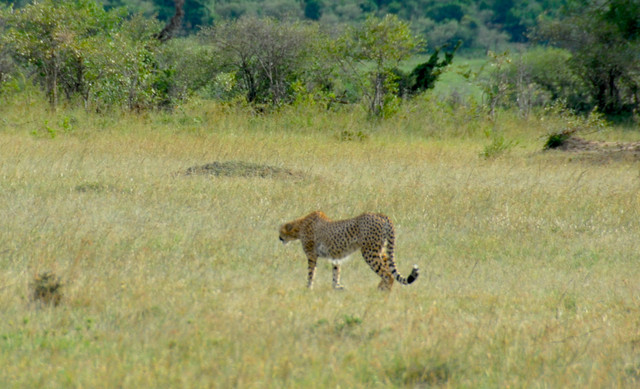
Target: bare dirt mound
<point x="575" y="144"/>
<point x="243" y="169"/>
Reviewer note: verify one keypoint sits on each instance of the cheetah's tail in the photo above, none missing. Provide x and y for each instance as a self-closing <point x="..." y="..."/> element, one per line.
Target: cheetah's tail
<point x="392" y="265"/>
<point x="415" y="272"/>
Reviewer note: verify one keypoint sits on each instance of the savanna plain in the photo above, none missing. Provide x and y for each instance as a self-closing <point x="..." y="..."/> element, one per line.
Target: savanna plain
<point x="529" y="259"/>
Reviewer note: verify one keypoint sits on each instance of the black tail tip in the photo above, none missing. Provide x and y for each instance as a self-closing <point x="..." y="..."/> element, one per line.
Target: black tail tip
<point x="414" y="274"/>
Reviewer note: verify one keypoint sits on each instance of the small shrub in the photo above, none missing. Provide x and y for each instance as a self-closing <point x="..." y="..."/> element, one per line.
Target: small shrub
<point x="347" y="323"/>
<point x="498" y="146"/>
<point x="557" y="139"/>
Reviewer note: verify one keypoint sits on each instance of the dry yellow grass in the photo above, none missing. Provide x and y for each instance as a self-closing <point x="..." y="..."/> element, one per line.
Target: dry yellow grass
<point x="529" y="261"/>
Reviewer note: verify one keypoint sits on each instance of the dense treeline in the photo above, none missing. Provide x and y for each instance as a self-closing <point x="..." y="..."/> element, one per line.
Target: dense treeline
<point x="479" y="24"/>
<point x="581" y="53"/>
<point x="484" y="24"/>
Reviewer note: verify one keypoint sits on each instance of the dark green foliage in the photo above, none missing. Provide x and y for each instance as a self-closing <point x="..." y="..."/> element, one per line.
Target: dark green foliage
<point x="313" y="9"/>
<point x="556" y="140"/>
<point x="447" y="11"/>
<point x="424" y="75"/>
<point x="625" y="14"/>
<point x="368" y="6"/>
<point x="163" y="86"/>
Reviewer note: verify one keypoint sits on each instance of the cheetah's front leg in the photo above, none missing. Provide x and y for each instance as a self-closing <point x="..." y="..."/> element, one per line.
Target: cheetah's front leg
<point x="311" y="269"/>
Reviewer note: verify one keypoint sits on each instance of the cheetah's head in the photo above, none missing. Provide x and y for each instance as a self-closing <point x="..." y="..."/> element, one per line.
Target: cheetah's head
<point x="288" y="232"/>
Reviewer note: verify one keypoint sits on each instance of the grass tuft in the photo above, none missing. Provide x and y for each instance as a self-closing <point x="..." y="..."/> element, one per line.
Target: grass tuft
<point x="46" y="289"/>
<point x="426" y="374"/>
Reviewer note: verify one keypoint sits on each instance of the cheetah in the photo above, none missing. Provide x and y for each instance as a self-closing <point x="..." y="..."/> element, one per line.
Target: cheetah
<point x="336" y="240"/>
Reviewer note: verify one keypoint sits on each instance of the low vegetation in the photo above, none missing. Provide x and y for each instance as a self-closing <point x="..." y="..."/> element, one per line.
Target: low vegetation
<point x="528" y="258"/>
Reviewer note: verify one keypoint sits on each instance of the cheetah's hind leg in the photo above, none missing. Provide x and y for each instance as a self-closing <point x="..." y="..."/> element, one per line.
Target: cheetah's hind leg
<point x="387" y="278"/>
<point x="378" y="260"/>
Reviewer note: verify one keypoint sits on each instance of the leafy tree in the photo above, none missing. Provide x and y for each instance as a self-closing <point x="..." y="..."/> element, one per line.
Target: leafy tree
<point x="368" y="55"/>
<point x="267" y="56"/>
<point x="604" y="42"/>
<point x="52" y="36"/>
<point x="78" y="48"/>
<point x="124" y="71"/>
<point x="561" y="84"/>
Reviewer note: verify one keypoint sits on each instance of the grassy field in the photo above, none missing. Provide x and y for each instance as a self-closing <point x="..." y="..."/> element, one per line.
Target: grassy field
<point x="529" y="260"/>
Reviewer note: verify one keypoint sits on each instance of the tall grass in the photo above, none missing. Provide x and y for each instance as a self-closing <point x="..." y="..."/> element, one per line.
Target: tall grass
<point x="529" y="261"/>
